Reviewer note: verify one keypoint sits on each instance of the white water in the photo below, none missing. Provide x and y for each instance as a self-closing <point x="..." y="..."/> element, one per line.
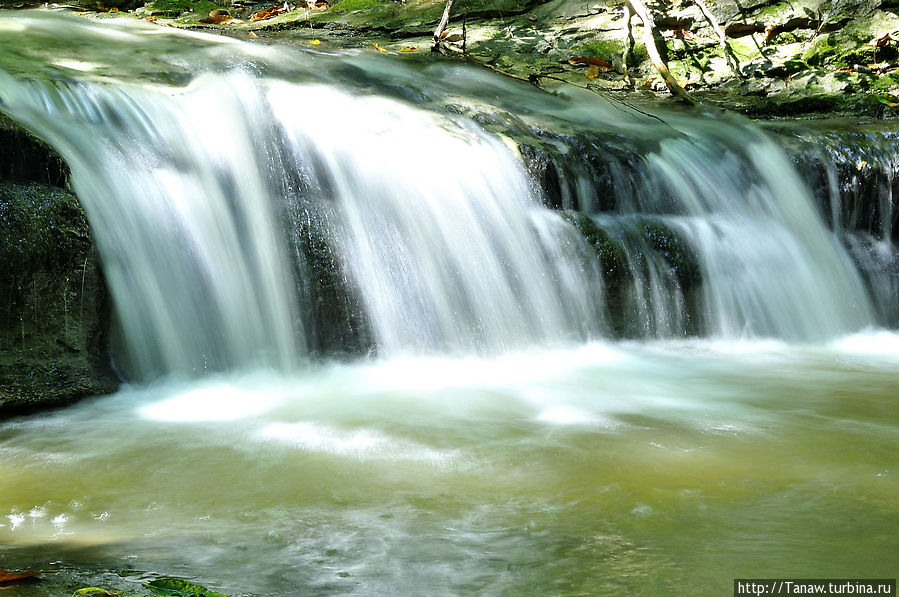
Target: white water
<point x="439" y="226"/>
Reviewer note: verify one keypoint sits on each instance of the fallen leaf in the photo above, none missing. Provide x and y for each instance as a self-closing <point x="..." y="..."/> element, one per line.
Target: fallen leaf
<point x="217" y="20"/>
<point x="322" y="5"/>
<point x="861" y="165"/>
<point x="315" y="42"/>
<point x="252" y="35"/>
<point x="883" y="40"/>
<point x="113" y="9"/>
<point x="7" y="577"/>
<point x="409" y="49"/>
<point x="379" y="48"/>
<point x="97" y="592"/>
<point x="602" y="64"/>
<point x="592" y="71"/>
<point x="150" y="19"/>
<point x="270" y="12"/>
<point x="683" y="34"/>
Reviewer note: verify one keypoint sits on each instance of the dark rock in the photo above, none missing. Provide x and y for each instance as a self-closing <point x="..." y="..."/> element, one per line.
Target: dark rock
<point x="54" y="309"/>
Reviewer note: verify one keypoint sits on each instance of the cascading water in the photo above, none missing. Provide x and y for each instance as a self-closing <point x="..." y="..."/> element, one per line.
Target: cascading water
<point x="434" y="221"/>
<point x="190" y="240"/>
<point x="256" y="206"/>
<point x="438" y="226"/>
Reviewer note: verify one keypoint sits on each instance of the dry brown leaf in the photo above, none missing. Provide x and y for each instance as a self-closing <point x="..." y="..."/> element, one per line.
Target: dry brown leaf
<point x="602" y="64"/>
<point x="883" y="40"/>
<point x="270" y="12"/>
<point x="150" y="19"/>
<point x="252" y="35"/>
<point x="217" y="20"/>
<point x="592" y="71"/>
<point x="684" y="34"/>
<point x="7" y="577"/>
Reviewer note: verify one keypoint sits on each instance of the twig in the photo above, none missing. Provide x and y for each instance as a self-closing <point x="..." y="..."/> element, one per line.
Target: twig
<point x="627" y="58"/>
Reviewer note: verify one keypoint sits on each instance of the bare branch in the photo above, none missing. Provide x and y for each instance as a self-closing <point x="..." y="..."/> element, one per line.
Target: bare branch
<point x="649" y="30"/>
<point x="444" y="20"/>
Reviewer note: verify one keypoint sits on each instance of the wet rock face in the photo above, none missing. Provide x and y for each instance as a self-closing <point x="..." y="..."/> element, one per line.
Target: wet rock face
<point x="54" y="310"/>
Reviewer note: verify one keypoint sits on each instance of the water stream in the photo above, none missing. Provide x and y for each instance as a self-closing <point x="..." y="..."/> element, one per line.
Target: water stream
<point x="659" y="386"/>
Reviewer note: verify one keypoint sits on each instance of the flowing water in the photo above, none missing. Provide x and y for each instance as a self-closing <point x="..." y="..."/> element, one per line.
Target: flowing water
<point x="676" y="380"/>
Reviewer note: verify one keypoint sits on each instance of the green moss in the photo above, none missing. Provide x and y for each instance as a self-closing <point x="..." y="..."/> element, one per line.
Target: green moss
<point x="612" y="260"/>
<point x="40" y="226"/>
<point x="177" y="7"/>
<point x="745" y="50"/>
<point x="368" y="14"/>
<point x="860" y="55"/>
<point x="600" y="49"/>
<point x="672" y="246"/>
<point x="640" y="53"/>
<point x="178" y="587"/>
<point x="353" y="5"/>
<point x="885" y="83"/>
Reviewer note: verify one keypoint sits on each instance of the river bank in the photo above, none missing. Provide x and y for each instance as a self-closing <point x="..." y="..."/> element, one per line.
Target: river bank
<point x="763" y="59"/>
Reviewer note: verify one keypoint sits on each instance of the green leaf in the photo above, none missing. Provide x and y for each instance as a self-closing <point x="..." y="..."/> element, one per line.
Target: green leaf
<point x="886" y="98"/>
<point x="97" y="592"/>
<point x="179" y="587"/>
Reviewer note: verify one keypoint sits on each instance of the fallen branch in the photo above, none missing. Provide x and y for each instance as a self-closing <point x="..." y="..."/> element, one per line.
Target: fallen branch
<point x="649" y="39"/>
<point x="444" y="20"/>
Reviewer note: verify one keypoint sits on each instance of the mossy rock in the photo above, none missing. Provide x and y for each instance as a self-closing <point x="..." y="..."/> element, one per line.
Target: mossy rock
<point x="25" y="158"/>
<point x="612" y="261"/>
<point x="41" y="227"/>
<point x="56" y="309"/>
<point x="677" y="252"/>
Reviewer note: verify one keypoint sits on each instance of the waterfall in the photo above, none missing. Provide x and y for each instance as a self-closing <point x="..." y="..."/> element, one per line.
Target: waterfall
<point x="439" y="226"/>
<point x="175" y="188"/>
<point x="197" y="191"/>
